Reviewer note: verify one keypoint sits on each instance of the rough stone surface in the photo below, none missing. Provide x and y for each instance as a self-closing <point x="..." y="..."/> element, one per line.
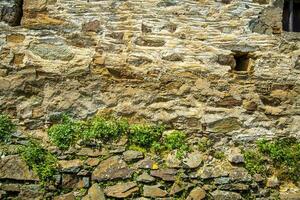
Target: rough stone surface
<point x="224" y="195"/>
<point x="95" y="193"/>
<point x="224" y="70"/>
<point x="154" y="191"/>
<point x="112" y="168"/>
<point x="197" y="194"/>
<point x="122" y="190"/>
<point x="13" y="167"/>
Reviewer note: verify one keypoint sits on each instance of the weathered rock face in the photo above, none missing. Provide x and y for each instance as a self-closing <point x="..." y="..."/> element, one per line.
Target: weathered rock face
<point x="171" y="62"/>
<point x="224" y="69"/>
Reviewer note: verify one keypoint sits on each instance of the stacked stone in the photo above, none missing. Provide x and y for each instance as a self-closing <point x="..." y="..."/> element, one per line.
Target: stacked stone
<point x="164" y="61"/>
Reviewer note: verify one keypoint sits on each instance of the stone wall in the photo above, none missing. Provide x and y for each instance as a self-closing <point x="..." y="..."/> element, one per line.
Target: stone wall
<point x="170" y="61"/>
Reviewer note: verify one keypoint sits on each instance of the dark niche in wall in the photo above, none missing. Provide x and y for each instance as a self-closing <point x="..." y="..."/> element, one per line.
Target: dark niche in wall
<point x="11" y="12"/>
<point x="291" y="16"/>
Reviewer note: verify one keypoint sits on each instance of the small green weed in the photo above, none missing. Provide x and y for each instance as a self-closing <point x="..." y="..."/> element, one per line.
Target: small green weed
<point x="204" y="144"/>
<point x="40" y="160"/>
<point x="219" y="155"/>
<point x="6" y="128"/>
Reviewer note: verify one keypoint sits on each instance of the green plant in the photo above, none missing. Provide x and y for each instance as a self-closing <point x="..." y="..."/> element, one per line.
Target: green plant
<point x="254" y="162"/>
<point x="40" y="160"/>
<point x="105" y="129"/>
<point x="145" y="136"/>
<point x="64" y="135"/>
<point x="7" y="127"/>
<point x="285" y="156"/>
<point x="176" y="140"/>
<point x="219" y="155"/>
<point x="204" y="144"/>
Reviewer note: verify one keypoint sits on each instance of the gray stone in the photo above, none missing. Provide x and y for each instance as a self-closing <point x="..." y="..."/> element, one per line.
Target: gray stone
<point x="225" y="195"/>
<point x="145" y="178"/>
<point x="131" y="155"/>
<point x="193" y="159"/>
<point x="234" y="155"/>
<point x="165" y="174"/>
<point x="52" y="51"/>
<point x="112" y="168"/>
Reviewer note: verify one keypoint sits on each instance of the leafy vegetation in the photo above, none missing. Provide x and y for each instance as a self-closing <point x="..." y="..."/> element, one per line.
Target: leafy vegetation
<point x="176" y="140"/>
<point x="285" y="156"/>
<point x="65" y="134"/>
<point x="6" y="128"/>
<point x="105" y="129"/>
<point x="145" y="136"/>
<point x="282" y="155"/>
<point x="40" y="160"/>
<point x="255" y="162"/>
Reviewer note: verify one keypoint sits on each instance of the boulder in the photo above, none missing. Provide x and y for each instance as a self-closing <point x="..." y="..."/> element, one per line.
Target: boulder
<point x="94" y="193"/>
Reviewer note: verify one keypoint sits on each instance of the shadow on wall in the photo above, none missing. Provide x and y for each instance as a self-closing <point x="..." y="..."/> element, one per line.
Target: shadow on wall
<point x="11" y="12"/>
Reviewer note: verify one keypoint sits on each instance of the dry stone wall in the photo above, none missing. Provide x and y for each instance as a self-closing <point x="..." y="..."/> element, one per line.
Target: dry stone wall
<point x="214" y="68"/>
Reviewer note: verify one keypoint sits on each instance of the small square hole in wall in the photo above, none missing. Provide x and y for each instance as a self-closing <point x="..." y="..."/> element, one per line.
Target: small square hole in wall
<point x="243" y="62"/>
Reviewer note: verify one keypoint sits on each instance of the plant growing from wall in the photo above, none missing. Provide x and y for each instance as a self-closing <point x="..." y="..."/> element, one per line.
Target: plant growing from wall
<point x="40" y="160"/>
<point x="7" y="127"/>
<point x="65" y="134"/>
<point x="176" y="140"/>
<point x="146" y="136"/>
<point x="105" y="129"/>
<point x="285" y="156"/>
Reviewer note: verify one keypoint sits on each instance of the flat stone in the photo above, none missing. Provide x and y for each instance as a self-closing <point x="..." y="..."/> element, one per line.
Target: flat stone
<point x="131" y="155"/>
<point x="193" y="160"/>
<point x="179" y="187"/>
<point x="145" y="178"/>
<point x="52" y="52"/>
<point x="70" y="166"/>
<point x="290" y="196"/>
<point x="13" y="167"/>
<point x="213" y="171"/>
<point x="92" y="162"/>
<point x="112" y="168"/>
<point x="197" y="194"/>
<point x="225" y="195"/>
<point x="121" y="190"/>
<point x="154" y="191"/>
<point x="165" y="174"/>
<point x="68" y="196"/>
<point x="223" y="125"/>
<point x="95" y="193"/>
<point x="91" y="152"/>
<point x="146" y="163"/>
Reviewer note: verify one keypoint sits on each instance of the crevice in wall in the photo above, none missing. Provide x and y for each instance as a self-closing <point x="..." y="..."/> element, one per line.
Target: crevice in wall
<point x="243" y="62"/>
